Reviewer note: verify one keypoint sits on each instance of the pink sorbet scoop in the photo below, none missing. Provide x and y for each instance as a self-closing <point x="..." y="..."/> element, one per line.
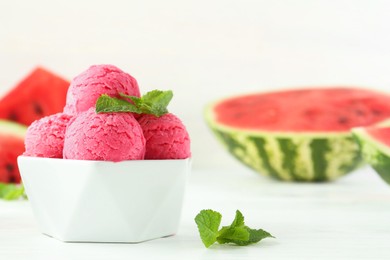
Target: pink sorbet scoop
<point x="87" y="87"/>
<point x="45" y="137"/>
<point x="166" y="137"/>
<point x="104" y="137"/>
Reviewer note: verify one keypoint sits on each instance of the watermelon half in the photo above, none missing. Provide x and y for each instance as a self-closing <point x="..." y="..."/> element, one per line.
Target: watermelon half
<point x="297" y="135"/>
<point x="375" y="147"/>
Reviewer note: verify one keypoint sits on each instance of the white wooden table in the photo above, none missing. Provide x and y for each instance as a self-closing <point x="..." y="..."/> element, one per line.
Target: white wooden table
<point x="346" y="219"/>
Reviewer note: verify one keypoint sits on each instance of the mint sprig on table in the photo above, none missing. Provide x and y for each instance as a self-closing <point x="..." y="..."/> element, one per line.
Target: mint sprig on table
<point x="238" y="233"/>
<point x="154" y="102"/>
<point x="10" y="191"/>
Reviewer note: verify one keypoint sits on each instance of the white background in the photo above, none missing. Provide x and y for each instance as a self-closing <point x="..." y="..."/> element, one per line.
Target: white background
<point x="201" y="49"/>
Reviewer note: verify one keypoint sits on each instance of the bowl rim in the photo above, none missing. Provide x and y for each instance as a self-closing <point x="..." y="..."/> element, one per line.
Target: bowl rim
<point x="34" y="158"/>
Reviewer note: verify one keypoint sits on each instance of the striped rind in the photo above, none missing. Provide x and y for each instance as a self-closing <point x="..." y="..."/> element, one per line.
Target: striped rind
<point x="12" y="128"/>
<point x="374" y="152"/>
<point x="290" y="156"/>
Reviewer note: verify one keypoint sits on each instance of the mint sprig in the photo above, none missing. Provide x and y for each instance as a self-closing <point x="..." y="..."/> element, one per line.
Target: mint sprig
<point x="10" y="191"/>
<point x="208" y="223"/>
<point x="238" y="233"/>
<point x="154" y="102"/>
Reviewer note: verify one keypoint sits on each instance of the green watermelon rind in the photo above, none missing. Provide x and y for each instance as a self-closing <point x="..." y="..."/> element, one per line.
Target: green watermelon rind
<point x="374" y="153"/>
<point x="12" y="128"/>
<point x="290" y="156"/>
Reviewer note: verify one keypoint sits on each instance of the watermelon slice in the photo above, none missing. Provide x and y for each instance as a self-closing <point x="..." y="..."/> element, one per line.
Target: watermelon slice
<point x="297" y="135"/>
<point x="375" y="147"/>
<point x="11" y="146"/>
<point x="40" y="94"/>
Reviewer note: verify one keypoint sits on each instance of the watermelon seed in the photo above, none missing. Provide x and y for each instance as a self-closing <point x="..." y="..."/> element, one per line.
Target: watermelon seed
<point x="359" y="112"/>
<point x="9" y="167"/>
<point x="343" y="120"/>
<point x="12" y="116"/>
<point x="12" y="179"/>
<point x="38" y="109"/>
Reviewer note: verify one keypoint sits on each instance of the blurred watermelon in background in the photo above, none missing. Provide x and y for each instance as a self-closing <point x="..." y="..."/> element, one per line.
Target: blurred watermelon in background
<point x="40" y="94"/>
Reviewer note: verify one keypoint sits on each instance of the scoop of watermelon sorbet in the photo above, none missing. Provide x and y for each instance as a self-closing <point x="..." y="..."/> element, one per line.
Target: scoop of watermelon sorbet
<point x="166" y="137"/>
<point x="45" y="136"/>
<point x="104" y="137"/>
<point x="87" y="87"/>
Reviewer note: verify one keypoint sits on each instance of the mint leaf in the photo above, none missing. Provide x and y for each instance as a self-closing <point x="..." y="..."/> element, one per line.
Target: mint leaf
<point x="158" y="100"/>
<point x="238" y="220"/>
<point x="10" y="191"/>
<point x="255" y="235"/>
<point x="208" y="222"/>
<point x="107" y="104"/>
<point x="237" y="233"/>
<point x="154" y="102"/>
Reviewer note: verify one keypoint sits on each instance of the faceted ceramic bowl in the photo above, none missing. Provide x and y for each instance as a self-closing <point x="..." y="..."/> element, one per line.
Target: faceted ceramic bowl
<point x="97" y="201"/>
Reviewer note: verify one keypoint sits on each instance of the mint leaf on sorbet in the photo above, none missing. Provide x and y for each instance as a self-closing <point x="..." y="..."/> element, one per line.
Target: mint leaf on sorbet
<point x="107" y="104"/>
<point x="237" y="233"/>
<point x="158" y="100"/>
<point x="10" y="191"/>
<point x="154" y="102"/>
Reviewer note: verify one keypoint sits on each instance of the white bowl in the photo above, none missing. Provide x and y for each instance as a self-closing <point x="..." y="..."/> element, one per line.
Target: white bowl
<point x="97" y="201"/>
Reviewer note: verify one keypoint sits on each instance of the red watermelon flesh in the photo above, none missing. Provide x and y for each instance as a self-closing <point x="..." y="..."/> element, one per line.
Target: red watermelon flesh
<point x="305" y="110"/>
<point x="11" y="146"/>
<point x="380" y="133"/>
<point x="40" y="94"/>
